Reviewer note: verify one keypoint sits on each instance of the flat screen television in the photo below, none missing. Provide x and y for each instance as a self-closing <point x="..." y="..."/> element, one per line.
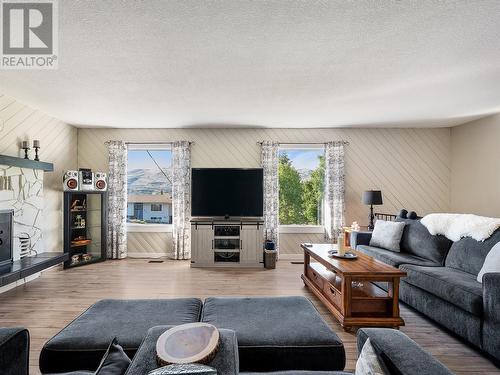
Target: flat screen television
<point x="223" y="192"/>
<point x="6" y="231"/>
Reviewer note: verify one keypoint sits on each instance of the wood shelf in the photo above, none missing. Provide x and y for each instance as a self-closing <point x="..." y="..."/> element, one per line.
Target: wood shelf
<point x="84" y="262"/>
<point x="26" y="163"/>
<point x="81" y="243"/>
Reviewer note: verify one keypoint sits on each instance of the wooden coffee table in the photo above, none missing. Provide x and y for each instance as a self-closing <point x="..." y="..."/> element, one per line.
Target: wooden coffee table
<point x="345" y="287"/>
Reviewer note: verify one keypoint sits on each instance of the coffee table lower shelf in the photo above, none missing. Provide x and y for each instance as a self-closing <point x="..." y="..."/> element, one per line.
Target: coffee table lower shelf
<point x="356" y="321"/>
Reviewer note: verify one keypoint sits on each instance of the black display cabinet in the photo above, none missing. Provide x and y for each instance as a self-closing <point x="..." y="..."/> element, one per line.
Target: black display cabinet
<point x="85" y="218"/>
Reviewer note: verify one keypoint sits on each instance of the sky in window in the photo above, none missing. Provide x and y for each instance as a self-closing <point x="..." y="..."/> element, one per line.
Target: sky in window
<point x="304" y="159"/>
<point x="138" y="159"/>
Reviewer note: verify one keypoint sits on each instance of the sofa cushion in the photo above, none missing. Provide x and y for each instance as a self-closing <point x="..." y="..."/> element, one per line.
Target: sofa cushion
<point x="82" y="344"/>
<point x="299" y="372"/>
<point x="387" y="235"/>
<point x="115" y="361"/>
<point x="392" y="258"/>
<point x="417" y="240"/>
<point x="74" y="373"/>
<point x="468" y="254"/>
<point x="456" y="319"/>
<point x="491" y="263"/>
<point x="369" y="362"/>
<point x="400" y="354"/>
<point x="225" y="361"/>
<point x="454" y="286"/>
<point x="14" y="350"/>
<point x="279" y="333"/>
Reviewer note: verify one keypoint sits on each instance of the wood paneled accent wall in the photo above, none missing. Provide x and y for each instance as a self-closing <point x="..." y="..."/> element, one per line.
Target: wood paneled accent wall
<point x="410" y="166"/>
<point x="19" y="122"/>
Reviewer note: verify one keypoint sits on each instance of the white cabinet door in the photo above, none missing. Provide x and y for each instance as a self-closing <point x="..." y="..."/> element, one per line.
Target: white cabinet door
<point x="251" y="244"/>
<point x="202" y="250"/>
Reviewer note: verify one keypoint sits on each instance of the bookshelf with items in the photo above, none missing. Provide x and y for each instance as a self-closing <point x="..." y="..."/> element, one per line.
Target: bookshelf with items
<point x="85" y="217"/>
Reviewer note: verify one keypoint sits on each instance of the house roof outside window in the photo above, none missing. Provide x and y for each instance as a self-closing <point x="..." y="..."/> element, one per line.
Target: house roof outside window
<point x="160" y="198"/>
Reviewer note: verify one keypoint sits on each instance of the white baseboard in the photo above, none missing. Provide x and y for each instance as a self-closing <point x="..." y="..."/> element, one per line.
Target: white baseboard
<point x="146" y="255"/>
<point x="291" y="257"/>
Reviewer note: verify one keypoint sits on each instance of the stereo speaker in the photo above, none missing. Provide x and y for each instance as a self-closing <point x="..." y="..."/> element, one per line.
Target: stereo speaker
<point x="70" y="180"/>
<point x="100" y="181"/>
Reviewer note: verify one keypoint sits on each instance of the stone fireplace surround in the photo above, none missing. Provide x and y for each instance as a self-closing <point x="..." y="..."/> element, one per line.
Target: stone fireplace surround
<point x="21" y="190"/>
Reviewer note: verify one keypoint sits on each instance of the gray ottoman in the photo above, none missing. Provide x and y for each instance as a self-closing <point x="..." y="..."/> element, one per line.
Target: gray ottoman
<point x="226" y="360"/>
<point x="82" y="344"/>
<point x="276" y="334"/>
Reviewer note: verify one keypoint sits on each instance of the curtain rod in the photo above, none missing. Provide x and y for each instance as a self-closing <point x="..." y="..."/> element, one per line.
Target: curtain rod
<point x="303" y="143"/>
<point x="154" y="143"/>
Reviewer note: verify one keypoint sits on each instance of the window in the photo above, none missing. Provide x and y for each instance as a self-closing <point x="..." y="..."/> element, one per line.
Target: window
<point x="149" y="189"/>
<point x="301" y="183"/>
<point x="155" y="207"/>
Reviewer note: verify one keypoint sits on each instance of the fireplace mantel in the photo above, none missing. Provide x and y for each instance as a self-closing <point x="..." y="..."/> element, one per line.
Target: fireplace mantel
<point x="26" y="163"/>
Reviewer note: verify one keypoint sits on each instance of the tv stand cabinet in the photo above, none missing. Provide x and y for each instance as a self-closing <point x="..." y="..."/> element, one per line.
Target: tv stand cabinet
<point x="227" y="243"/>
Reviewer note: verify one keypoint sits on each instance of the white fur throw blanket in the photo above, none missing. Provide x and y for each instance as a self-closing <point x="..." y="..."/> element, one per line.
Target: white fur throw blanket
<point x="456" y="226"/>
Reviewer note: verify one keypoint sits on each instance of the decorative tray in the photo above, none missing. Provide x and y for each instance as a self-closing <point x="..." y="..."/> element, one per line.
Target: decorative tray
<point x="347" y="255"/>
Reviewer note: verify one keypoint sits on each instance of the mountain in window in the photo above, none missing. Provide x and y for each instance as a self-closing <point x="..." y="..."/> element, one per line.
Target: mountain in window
<point x="148" y="181"/>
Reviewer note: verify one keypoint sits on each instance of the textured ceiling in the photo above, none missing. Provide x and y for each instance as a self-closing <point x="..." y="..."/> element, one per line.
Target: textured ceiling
<point x="269" y="63"/>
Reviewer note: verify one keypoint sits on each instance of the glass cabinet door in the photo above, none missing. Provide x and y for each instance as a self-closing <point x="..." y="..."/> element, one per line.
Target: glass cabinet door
<point x="85" y="223"/>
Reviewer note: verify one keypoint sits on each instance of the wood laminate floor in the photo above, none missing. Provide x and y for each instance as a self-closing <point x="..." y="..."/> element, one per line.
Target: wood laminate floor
<point x="47" y="304"/>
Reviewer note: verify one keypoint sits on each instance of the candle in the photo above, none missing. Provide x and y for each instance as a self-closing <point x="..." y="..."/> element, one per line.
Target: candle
<point x="25" y="144"/>
<point x="36" y="143"/>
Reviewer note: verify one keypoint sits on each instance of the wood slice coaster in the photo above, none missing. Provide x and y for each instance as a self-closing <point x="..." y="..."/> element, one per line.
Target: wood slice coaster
<point x="188" y="343"/>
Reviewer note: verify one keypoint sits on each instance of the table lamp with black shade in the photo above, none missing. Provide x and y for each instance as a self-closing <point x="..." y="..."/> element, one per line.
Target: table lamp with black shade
<point x="372" y="197"/>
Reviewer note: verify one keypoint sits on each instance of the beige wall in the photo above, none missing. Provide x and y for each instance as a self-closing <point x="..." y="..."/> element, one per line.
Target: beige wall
<point x="59" y="144"/>
<point x="475" y="166"/>
<point x="427" y="170"/>
<point x="411" y="166"/>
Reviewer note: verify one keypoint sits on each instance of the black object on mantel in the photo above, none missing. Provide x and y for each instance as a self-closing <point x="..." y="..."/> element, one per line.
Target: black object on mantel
<point x="26" y="163"/>
<point x="372" y="197"/>
<point x="28" y="266"/>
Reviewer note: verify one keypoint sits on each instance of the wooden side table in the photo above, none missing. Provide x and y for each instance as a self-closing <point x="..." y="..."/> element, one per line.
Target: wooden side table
<point x="347" y="234"/>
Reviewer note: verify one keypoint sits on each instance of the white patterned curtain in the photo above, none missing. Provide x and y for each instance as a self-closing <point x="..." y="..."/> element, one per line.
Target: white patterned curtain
<point x="270" y="163"/>
<point x="117" y="200"/>
<point x="334" y="189"/>
<point x="181" y="200"/>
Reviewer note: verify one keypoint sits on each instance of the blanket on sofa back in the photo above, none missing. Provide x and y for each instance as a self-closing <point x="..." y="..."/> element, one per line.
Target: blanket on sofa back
<point x="456" y="226"/>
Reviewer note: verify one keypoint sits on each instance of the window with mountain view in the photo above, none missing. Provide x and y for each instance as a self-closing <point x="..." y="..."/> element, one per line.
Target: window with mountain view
<point x="301" y="176"/>
<point x="149" y="189"/>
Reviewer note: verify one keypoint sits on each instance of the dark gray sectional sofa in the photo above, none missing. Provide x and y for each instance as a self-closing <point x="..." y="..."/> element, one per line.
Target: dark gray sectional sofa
<point x="441" y="282"/>
<point x="14" y="351"/>
<point x="398" y="352"/>
<point x="276" y="336"/>
<point x="280" y="333"/>
<point x="82" y="343"/>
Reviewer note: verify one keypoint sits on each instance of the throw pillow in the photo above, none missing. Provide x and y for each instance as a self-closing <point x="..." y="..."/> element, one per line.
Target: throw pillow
<point x="114" y="362"/>
<point x="184" y="369"/>
<point x="491" y="262"/>
<point x="387" y="235"/>
<point x="368" y="362"/>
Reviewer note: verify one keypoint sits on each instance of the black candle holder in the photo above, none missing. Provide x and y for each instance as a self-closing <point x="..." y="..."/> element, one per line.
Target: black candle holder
<point x="36" y="153"/>
<point x="26" y="149"/>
